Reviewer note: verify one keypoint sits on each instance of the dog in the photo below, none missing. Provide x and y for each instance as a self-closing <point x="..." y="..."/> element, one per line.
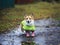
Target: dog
<point x="27" y="25"/>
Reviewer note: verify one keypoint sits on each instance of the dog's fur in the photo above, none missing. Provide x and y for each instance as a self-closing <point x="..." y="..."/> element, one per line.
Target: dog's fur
<point x="29" y="20"/>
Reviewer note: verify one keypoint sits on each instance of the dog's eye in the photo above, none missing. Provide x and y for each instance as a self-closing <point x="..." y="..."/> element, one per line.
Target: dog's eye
<point x="26" y="18"/>
<point x="29" y="18"/>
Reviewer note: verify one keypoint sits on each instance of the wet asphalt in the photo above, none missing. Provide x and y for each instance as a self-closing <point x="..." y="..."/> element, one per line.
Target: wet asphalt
<point x="45" y="34"/>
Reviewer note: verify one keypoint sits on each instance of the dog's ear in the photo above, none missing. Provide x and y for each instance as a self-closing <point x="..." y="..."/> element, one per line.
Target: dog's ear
<point x="25" y="15"/>
<point x="32" y="14"/>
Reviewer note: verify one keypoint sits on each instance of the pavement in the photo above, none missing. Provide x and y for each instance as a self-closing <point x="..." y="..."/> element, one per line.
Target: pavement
<point x="45" y="34"/>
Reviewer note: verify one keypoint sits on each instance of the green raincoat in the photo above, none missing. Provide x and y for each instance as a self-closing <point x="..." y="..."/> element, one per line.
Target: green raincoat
<point x="26" y="27"/>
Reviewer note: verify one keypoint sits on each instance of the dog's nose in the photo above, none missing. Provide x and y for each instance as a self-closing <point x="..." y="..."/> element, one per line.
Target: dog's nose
<point x="28" y="21"/>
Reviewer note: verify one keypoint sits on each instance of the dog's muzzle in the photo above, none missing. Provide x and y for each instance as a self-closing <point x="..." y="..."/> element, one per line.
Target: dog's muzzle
<point x="28" y="21"/>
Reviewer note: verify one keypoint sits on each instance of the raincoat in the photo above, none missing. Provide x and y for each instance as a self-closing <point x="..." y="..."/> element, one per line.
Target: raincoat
<point x="28" y="27"/>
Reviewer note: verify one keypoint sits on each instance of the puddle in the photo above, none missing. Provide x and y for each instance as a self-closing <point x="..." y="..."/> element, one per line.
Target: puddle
<point x="44" y="36"/>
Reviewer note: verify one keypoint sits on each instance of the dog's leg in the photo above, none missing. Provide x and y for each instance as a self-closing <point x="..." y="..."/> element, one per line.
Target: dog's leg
<point x="22" y="28"/>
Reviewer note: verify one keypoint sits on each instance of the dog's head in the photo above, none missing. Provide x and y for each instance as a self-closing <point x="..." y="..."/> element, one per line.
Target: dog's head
<point x="28" y="18"/>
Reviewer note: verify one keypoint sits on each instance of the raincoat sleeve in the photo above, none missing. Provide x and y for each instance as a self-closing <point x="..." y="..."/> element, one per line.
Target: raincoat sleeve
<point x="21" y="26"/>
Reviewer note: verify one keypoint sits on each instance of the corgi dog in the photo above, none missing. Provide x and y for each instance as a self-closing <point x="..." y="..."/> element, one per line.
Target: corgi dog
<point x="27" y="25"/>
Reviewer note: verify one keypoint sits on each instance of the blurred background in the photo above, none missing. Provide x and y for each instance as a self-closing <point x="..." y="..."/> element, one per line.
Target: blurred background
<point x="12" y="11"/>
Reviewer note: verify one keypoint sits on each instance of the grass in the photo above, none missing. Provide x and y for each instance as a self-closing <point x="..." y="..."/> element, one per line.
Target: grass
<point x="11" y="17"/>
<point x="28" y="43"/>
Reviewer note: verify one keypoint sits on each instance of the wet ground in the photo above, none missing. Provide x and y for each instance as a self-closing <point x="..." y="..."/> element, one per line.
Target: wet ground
<point x="45" y="35"/>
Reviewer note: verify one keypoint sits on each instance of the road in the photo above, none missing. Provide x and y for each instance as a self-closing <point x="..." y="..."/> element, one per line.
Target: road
<point x="45" y="34"/>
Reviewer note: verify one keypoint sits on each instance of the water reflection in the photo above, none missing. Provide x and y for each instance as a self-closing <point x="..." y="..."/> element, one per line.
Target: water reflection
<point x="44" y="36"/>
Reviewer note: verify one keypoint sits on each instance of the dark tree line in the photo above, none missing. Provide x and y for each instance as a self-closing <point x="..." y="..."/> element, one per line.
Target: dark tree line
<point x="49" y="0"/>
<point x="52" y="0"/>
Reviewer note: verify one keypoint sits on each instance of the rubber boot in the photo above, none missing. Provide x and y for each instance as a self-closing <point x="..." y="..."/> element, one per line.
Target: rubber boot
<point x="33" y="34"/>
<point x="27" y="35"/>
